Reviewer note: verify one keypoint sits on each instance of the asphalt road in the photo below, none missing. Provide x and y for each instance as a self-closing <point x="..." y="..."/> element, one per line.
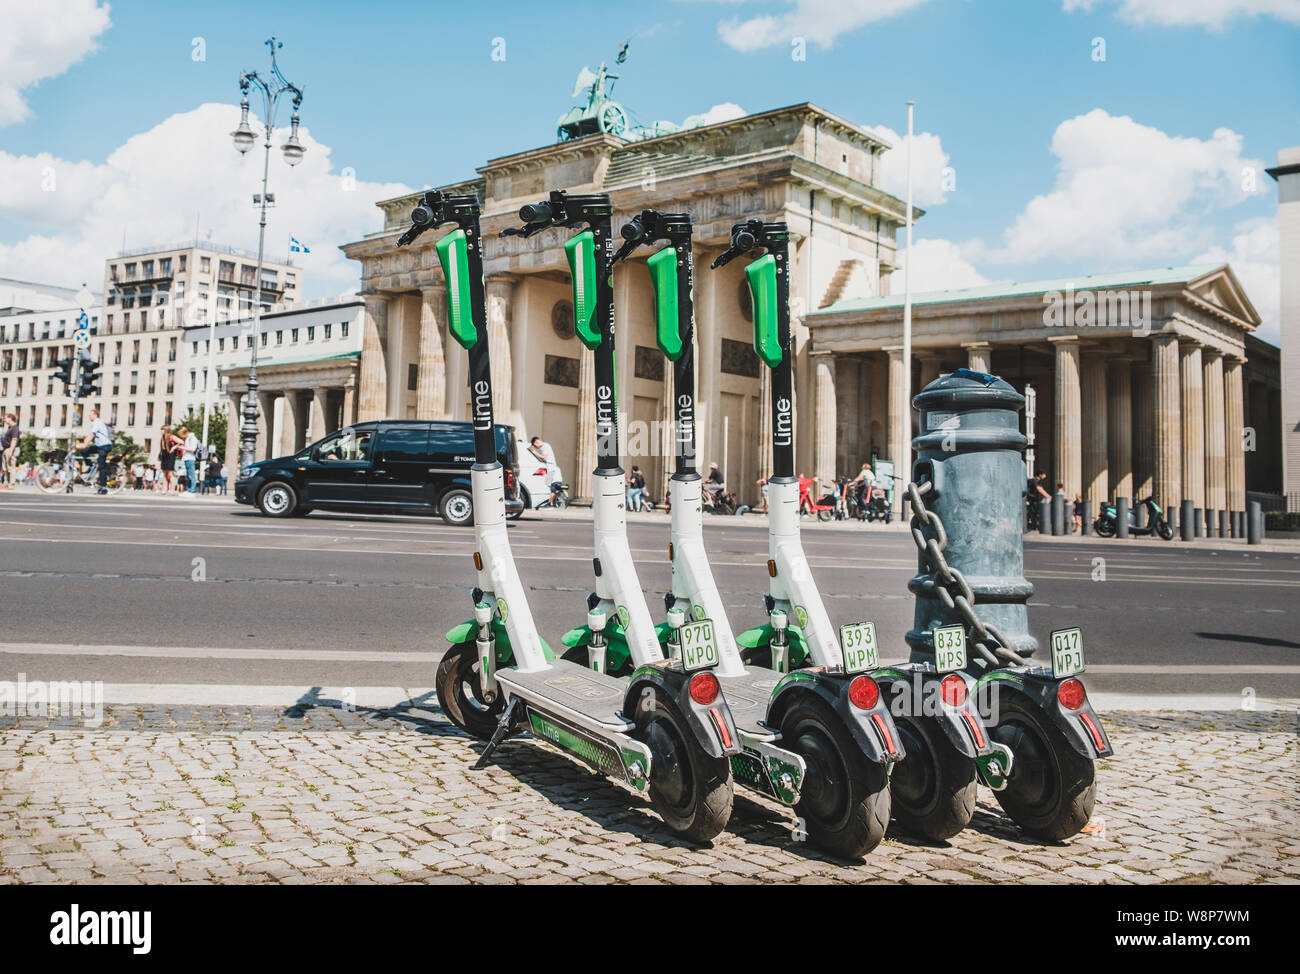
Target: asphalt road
<point x="152" y="590"/>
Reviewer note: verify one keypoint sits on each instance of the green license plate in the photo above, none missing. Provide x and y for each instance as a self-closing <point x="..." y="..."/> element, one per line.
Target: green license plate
<point x="699" y="647"/>
<point x="858" y="642"/>
<point x="1067" y="652"/>
<point x="950" y="648"/>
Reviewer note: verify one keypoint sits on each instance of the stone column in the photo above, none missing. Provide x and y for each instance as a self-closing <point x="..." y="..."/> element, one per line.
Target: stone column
<point x="431" y="387"/>
<point x="666" y="444"/>
<point x="372" y="399"/>
<point x="824" y="418"/>
<point x="1067" y="438"/>
<point x="320" y="404"/>
<point x="586" y="433"/>
<point x="266" y="426"/>
<point x="1095" y="423"/>
<point x="1119" y="428"/>
<point x="1143" y="430"/>
<point x="350" y="401"/>
<point x="1216" y="457"/>
<point x="1167" y="475"/>
<point x="500" y="298"/>
<point x="900" y="449"/>
<point x="233" y="421"/>
<point x="931" y="368"/>
<point x="295" y="421"/>
<point x="1193" y="407"/>
<point x="1233" y="424"/>
<point x="979" y="356"/>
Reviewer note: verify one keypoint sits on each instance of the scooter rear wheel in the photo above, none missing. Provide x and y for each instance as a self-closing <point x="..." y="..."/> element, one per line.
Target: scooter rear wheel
<point x="1165" y="530"/>
<point x="1052" y="788"/>
<point x="460" y="696"/>
<point x="691" y="791"/>
<point x="934" y="790"/>
<point x="1104" y="528"/>
<point x="845" y="798"/>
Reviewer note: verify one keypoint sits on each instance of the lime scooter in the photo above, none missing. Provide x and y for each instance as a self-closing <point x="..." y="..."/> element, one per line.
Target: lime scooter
<point x="662" y="731"/>
<point x="933" y="791"/>
<point x="822" y="742"/>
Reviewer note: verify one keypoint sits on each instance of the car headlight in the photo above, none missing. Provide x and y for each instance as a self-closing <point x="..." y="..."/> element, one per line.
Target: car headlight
<point x="246" y="472"/>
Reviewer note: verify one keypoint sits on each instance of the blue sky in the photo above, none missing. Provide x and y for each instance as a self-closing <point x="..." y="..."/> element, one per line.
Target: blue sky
<point x="1010" y="95"/>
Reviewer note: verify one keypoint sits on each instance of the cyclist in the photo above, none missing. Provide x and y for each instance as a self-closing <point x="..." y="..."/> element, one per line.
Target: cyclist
<point x="98" y="442"/>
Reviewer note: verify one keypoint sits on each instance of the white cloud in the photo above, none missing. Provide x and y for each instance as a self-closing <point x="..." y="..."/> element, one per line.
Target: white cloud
<point x="939" y="266"/>
<point x="722" y="113"/>
<point x="928" y="164"/>
<point x="1256" y="259"/>
<point x="1213" y="14"/>
<point x="1129" y="192"/>
<point x="154" y="185"/>
<point x="819" y="21"/>
<point x="41" y="39"/>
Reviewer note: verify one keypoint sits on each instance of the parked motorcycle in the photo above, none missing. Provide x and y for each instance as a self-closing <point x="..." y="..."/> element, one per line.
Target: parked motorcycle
<point x="1108" y="521"/>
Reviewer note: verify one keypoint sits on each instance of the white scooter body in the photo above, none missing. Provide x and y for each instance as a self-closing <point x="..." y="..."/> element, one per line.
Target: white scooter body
<point x="693" y="578"/>
<point x="793" y="587"/>
<point x="617" y="585"/>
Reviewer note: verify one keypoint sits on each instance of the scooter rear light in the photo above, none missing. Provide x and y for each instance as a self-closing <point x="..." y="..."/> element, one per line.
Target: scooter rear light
<point x="953" y="690"/>
<point x="1094" y="732"/>
<point x="1071" y="694"/>
<point x="883" y="730"/>
<point x="976" y="732"/>
<point x="864" y="693"/>
<point x="721" y="726"/>
<point x="704" y="688"/>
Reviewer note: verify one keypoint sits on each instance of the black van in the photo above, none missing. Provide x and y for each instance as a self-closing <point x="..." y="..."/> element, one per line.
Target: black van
<point x="391" y="465"/>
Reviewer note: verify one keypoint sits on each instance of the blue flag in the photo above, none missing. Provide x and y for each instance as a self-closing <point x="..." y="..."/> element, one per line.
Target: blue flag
<point x="296" y="246"/>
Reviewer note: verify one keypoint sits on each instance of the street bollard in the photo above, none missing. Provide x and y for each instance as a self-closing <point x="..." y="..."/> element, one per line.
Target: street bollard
<point x="1058" y="514"/>
<point x="1209" y="523"/>
<point x="1044" y="516"/>
<point x="1198" y="520"/>
<point x="971" y="452"/>
<point x="1139" y="512"/>
<point x="1121" y="517"/>
<point x="1086" y="528"/>
<point x="1171" y="516"/>
<point x="1187" y="518"/>
<point x="1239" y="518"/>
<point x="1254" y="523"/>
<point x="1223" y="524"/>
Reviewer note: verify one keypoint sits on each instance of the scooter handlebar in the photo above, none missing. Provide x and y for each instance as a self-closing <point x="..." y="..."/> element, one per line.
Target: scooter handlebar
<point x="535" y="212"/>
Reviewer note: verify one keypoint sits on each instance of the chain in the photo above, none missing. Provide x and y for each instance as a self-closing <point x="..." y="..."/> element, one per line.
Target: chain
<point x="950" y="585"/>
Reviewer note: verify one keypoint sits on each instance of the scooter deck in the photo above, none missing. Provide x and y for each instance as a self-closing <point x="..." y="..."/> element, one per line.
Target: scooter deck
<point x="747" y="696"/>
<point x="590" y="699"/>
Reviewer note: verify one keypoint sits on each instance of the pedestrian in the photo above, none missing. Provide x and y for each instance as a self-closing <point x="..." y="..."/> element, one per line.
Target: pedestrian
<point x="761" y="484"/>
<point x="137" y="476"/>
<point x="189" y="456"/>
<point x="224" y="473"/>
<point x="148" y="477"/>
<point x="636" y="499"/>
<point x="1077" y="524"/>
<point x="98" y="442"/>
<point x="166" y="457"/>
<point x="213" y="479"/>
<point x="543" y="453"/>
<point x="10" y="441"/>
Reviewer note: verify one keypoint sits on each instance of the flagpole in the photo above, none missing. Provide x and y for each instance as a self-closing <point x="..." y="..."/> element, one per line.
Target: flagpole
<point x="907" y="307"/>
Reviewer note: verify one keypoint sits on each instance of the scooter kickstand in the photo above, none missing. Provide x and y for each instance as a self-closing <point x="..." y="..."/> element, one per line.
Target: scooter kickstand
<point x="503" y="728"/>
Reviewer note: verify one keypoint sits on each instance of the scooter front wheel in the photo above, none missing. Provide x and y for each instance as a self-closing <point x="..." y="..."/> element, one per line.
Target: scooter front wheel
<point x="1165" y="530"/>
<point x="461" y="697"/>
<point x="845" y="799"/>
<point x="691" y="791"/>
<point x="933" y="791"/>
<point x="1052" y="788"/>
<point x="1104" y="528"/>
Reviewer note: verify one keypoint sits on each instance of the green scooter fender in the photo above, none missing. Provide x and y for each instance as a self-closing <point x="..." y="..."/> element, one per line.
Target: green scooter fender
<point x="617" y="655"/>
<point x="762" y="636"/>
<point x="467" y="632"/>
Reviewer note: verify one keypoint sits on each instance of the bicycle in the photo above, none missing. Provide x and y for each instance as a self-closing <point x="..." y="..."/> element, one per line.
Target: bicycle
<point x="57" y="476"/>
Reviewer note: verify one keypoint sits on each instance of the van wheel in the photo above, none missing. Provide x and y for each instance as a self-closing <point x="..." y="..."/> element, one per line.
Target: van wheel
<point x="458" y="508"/>
<point x="277" y="500"/>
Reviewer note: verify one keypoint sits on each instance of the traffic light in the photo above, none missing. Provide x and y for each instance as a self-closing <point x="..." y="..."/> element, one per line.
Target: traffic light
<point x="88" y="379"/>
<point x="63" y="371"/>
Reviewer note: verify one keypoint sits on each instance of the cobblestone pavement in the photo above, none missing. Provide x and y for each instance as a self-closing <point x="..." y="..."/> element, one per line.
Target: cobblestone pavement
<point x="321" y="794"/>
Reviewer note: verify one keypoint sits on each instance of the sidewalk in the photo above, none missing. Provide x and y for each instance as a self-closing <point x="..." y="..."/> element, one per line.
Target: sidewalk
<point x="321" y="794"/>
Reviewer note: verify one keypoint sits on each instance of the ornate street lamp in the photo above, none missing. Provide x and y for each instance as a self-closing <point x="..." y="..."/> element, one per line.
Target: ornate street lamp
<point x="271" y="88"/>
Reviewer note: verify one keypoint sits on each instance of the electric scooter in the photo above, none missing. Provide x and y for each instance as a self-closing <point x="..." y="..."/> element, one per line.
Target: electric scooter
<point x="824" y="747"/>
<point x="1156" y="523"/>
<point x="933" y="791"/>
<point x="664" y="731"/>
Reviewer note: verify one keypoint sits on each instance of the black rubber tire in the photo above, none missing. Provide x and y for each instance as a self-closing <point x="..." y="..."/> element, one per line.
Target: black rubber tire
<point x="458" y="694"/>
<point x="1165" y="531"/>
<point x="933" y="791"/>
<point x="1104" y="528"/>
<point x="825" y="515"/>
<point x="1052" y="788"/>
<point x="277" y="499"/>
<point x="457" y="508"/>
<point x="691" y="791"/>
<point x="845" y="799"/>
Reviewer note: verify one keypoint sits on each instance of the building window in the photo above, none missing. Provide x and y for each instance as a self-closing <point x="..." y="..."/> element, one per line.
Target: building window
<point x="171" y="350"/>
<point x="328" y="326"/>
<point x="279" y="337"/>
<point x="126" y="322"/>
<point x="226" y="271"/>
<point x="153" y="381"/>
<point x="412" y="376"/>
<point x="135" y="383"/>
<point x="117" y="382"/>
<point x="135" y="351"/>
<point x="248" y="341"/>
<point x="171" y="381"/>
<point x="311" y="333"/>
<point x="205" y="264"/>
<point x="293" y="337"/>
<point x="117" y="353"/>
<point x="560" y="370"/>
<point x="146" y="269"/>
<point x="193" y="384"/>
<point x="739" y="358"/>
<point x="130" y="414"/>
<point x="153" y="350"/>
<point x="182" y="261"/>
<point x="165" y="267"/>
<point x="38" y="354"/>
<point x="148" y="415"/>
<point x="648" y="364"/>
<point x="221" y="344"/>
<point x="264" y="339"/>
<point x="343" y="330"/>
<point x="195" y="350"/>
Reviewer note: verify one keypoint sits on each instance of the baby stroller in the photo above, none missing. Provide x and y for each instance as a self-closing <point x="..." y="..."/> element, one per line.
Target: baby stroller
<point x="879" y="499"/>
